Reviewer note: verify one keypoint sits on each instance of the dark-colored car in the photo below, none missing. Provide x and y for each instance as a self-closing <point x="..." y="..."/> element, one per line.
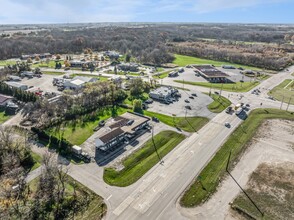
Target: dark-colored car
<point x="155" y="119"/>
<point x="229" y="109"/>
<point x="188" y="107"/>
<point x="187" y="101"/>
<point x="101" y="123"/>
<point x="149" y="101"/>
<point x="194" y="94"/>
<point x="217" y="93"/>
<point x="191" y="97"/>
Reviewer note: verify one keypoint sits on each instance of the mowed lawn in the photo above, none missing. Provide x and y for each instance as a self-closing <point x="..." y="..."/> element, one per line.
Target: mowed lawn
<point x="231" y="87"/>
<point x="219" y="103"/>
<point x="3" y="117"/>
<point x="215" y="170"/>
<point x="189" y="124"/>
<point x="182" y="60"/>
<point x="78" y="131"/>
<point x="7" y="62"/>
<point x="285" y="91"/>
<point x="138" y="163"/>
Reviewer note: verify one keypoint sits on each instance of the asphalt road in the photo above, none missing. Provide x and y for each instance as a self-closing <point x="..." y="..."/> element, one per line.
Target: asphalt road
<point x="155" y="195"/>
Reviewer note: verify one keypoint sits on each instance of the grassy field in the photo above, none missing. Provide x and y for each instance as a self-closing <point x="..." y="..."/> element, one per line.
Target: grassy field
<point x="91" y="211"/>
<point x="266" y="188"/>
<point x="161" y="75"/>
<point x="231" y="87"/>
<point x="138" y="163"/>
<point x="7" y="62"/>
<point x="130" y="99"/>
<point x="285" y="91"/>
<point x="182" y="60"/>
<point x="37" y="159"/>
<point x="51" y="64"/>
<point x="77" y="132"/>
<point x="189" y="124"/>
<point x="236" y="143"/>
<point x="219" y="103"/>
<point x="3" y="117"/>
<point x="101" y="78"/>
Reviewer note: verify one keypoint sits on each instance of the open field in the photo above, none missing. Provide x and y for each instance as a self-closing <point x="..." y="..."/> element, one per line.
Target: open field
<point x="7" y="62"/>
<point x="51" y="64"/>
<point x="76" y="132"/>
<point x="271" y="147"/>
<point x="37" y="159"/>
<point x="138" y="163"/>
<point x="219" y="103"/>
<point x="271" y="186"/>
<point x="182" y="60"/>
<point x="236" y="143"/>
<point x="189" y="124"/>
<point x="92" y="209"/>
<point x="3" y="117"/>
<point x="284" y="91"/>
<point x="231" y="87"/>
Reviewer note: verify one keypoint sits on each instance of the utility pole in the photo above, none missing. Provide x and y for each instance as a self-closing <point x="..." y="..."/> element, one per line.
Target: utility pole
<point x="227" y="169"/>
<point x="183" y="84"/>
<point x="282" y="103"/>
<point x="220" y="92"/>
<point x="288" y="103"/>
<point x="161" y="161"/>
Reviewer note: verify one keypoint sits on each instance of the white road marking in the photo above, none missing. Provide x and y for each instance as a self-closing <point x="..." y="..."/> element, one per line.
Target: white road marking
<point x="149" y="213"/>
<point x="109" y="197"/>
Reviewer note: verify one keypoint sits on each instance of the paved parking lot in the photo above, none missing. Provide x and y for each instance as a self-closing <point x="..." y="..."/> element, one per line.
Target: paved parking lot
<point x="198" y="105"/>
<point x="235" y="75"/>
<point x="44" y="83"/>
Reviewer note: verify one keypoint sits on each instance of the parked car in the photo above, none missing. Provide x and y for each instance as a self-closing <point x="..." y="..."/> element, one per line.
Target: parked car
<point x="217" y="93"/>
<point x="191" y="97"/>
<point x="101" y="123"/>
<point x="187" y="101"/>
<point x="188" y="107"/>
<point x="227" y="124"/>
<point x="149" y="101"/>
<point x="229" y="109"/>
<point x="194" y="94"/>
<point x="155" y="119"/>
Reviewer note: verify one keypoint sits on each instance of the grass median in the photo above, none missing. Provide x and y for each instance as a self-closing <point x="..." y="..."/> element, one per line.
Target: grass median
<point x="231" y="87"/>
<point x="208" y="180"/>
<point x="189" y="124"/>
<point x="138" y="163"/>
<point x="219" y="103"/>
<point x="284" y="91"/>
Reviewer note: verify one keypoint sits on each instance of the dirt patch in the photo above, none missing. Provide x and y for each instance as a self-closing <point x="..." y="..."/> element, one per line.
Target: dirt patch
<point x="272" y="145"/>
<point x="271" y="186"/>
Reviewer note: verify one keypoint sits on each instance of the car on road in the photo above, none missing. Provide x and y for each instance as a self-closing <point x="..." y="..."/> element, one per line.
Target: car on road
<point x="188" y="107"/>
<point x="187" y="101"/>
<point x="194" y="94"/>
<point x="227" y="124"/>
<point x="217" y="93"/>
<point x="191" y="97"/>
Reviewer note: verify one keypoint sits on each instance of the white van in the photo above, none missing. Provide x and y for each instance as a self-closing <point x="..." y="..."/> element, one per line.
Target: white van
<point x="238" y="111"/>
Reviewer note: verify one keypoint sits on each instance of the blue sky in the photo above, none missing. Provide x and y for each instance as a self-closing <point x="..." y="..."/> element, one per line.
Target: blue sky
<point x="79" y="11"/>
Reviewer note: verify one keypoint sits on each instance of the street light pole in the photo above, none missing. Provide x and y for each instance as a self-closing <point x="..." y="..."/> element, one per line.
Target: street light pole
<point x="288" y="103"/>
<point x="282" y="103"/>
<point x="161" y="161"/>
